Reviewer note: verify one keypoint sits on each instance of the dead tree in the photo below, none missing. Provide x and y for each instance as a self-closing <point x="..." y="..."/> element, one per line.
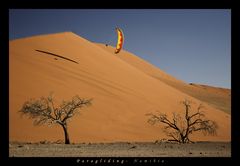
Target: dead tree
<point x="43" y="111"/>
<point x="180" y="127"/>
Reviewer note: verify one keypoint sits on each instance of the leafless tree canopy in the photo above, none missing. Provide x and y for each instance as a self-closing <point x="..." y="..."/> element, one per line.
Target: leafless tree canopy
<point x="43" y="111"/>
<point x="181" y="126"/>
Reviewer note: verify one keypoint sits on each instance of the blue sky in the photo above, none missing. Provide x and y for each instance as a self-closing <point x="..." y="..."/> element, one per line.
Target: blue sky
<point x="193" y="45"/>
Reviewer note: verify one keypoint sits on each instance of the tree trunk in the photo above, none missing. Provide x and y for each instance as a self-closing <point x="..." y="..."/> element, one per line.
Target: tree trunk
<point x="183" y="139"/>
<point x="67" y="141"/>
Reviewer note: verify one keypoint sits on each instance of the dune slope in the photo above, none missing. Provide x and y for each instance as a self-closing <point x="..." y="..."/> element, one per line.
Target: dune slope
<point x="67" y="65"/>
<point x="219" y="98"/>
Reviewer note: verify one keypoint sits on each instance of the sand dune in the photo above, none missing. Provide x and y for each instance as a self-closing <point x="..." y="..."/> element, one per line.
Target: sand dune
<point x="123" y="90"/>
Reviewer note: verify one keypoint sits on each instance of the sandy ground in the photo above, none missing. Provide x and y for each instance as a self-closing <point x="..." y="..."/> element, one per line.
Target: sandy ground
<point x="121" y="149"/>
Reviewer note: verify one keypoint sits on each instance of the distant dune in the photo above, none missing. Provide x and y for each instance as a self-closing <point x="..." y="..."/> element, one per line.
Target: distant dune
<point x="123" y="87"/>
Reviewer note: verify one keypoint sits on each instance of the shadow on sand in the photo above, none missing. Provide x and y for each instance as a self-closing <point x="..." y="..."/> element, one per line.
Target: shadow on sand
<point x="59" y="56"/>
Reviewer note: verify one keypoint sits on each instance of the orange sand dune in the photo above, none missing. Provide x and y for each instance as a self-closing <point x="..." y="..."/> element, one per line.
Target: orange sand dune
<point x="122" y="93"/>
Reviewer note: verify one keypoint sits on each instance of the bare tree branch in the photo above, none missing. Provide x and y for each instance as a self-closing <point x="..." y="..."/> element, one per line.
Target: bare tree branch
<point x="43" y="111"/>
<point x="179" y="128"/>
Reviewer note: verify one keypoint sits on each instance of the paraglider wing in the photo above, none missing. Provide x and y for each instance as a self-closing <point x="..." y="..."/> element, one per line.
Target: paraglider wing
<point x="119" y="41"/>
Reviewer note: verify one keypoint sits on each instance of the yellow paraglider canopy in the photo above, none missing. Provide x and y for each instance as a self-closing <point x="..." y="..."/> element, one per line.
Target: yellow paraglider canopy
<point x="119" y="41"/>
